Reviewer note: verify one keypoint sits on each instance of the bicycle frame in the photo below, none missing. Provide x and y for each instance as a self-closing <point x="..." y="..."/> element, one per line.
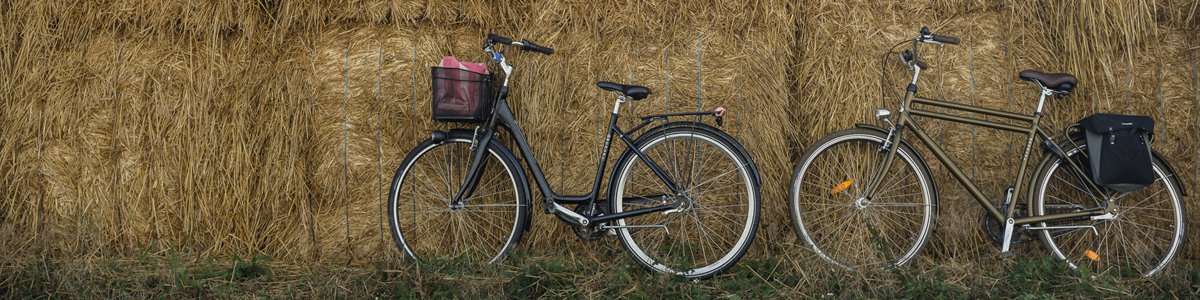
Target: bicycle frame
<point x="502" y="115"/>
<point x="1026" y="124"/>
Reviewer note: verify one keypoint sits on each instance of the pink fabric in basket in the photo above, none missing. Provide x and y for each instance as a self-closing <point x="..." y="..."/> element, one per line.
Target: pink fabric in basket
<point x="452" y="62"/>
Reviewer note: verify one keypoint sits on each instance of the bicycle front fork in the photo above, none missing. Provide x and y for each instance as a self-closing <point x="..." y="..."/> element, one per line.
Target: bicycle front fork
<point x="478" y="153"/>
<point x="888" y="146"/>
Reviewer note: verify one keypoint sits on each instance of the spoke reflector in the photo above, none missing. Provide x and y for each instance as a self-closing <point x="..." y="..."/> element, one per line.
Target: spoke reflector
<point x="841" y="186"/>
<point x="1092" y="255"/>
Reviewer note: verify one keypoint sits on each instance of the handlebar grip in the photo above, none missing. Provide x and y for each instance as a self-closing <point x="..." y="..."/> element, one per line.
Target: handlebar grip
<point x="499" y="39"/>
<point x="919" y="63"/>
<point x="537" y="48"/>
<point x="945" y="39"/>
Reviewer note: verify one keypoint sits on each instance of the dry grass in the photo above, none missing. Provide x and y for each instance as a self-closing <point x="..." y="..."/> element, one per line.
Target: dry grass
<point x="242" y="127"/>
<point x="529" y="277"/>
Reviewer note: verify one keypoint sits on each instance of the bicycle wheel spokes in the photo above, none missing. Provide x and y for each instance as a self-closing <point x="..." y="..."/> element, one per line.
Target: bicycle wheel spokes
<point x="844" y="226"/>
<point x="1139" y="240"/>
<point x="715" y="224"/>
<point x="428" y="226"/>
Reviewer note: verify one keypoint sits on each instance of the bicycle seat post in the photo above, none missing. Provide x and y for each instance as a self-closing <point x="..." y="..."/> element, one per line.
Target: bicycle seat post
<point x="617" y="104"/>
<point x="1042" y="98"/>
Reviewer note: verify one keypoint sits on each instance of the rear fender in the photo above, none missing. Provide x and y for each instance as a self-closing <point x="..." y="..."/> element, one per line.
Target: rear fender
<point x="724" y="136"/>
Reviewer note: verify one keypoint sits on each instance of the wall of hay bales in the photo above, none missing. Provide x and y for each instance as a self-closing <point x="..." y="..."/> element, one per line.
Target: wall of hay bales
<point x="243" y="127"/>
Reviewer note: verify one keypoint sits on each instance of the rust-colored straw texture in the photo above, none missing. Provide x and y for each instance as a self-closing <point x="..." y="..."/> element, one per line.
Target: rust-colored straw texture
<point x="242" y="127"/>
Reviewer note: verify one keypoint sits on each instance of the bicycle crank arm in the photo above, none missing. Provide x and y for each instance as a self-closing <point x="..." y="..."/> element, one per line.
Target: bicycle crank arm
<point x="1008" y="233"/>
<point x="570" y="215"/>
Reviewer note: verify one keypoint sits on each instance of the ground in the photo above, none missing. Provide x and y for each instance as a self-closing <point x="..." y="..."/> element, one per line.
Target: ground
<point x="605" y="274"/>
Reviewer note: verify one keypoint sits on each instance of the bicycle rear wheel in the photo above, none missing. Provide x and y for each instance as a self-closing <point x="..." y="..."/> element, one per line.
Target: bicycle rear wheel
<point x="831" y="214"/>
<point x="1140" y="239"/>
<point x="718" y="221"/>
<point x="488" y="224"/>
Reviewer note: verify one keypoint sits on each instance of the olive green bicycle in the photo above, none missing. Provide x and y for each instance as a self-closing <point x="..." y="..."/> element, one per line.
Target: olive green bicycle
<point x="864" y="198"/>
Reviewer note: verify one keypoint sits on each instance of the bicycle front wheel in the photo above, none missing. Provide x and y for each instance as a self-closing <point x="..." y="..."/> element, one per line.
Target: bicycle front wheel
<point x="718" y="219"/>
<point x="1139" y="239"/>
<point x="841" y="225"/>
<point x="424" y="223"/>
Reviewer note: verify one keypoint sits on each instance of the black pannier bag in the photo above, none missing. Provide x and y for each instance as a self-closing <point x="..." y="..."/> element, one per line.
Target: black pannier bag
<point x="1119" y="150"/>
<point x="460" y="95"/>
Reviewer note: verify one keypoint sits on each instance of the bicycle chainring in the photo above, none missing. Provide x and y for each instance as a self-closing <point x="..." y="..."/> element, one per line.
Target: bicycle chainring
<point x="590" y="232"/>
<point x="995" y="230"/>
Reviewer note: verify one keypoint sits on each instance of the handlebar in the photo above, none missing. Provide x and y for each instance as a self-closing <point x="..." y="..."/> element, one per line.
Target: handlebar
<point x="493" y="38"/>
<point x="909" y="57"/>
<point x="919" y="63"/>
<point x="529" y="45"/>
<point x="926" y="37"/>
<point x="526" y="45"/>
<point x="945" y="39"/>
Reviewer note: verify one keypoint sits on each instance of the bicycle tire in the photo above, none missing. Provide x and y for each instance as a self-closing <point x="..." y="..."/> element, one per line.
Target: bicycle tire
<point x="835" y="238"/>
<point x="717" y="199"/>
<point x="1166" y="223"/>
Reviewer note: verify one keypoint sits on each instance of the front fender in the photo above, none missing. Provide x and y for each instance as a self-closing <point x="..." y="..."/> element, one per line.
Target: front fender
<point x="885" y="131"/>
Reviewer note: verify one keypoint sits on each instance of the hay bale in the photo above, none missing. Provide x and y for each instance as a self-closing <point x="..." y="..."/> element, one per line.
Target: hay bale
<point x="237" y="128"/>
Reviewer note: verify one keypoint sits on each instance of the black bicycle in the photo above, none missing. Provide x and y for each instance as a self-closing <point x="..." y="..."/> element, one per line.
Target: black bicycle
<point x="683" y="198"/>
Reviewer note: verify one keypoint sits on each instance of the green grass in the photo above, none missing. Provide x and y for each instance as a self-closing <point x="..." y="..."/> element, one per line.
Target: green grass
<point x="528" y="276"/>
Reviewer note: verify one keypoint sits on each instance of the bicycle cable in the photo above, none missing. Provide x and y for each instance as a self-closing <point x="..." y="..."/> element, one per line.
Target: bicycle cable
<point x="883" y="82"/>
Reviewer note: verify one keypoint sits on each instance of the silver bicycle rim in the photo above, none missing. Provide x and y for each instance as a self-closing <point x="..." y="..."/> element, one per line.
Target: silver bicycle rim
<point x="926" y="187"/>
<point x="1177" y="238"/>
<point x="743" y="239"/>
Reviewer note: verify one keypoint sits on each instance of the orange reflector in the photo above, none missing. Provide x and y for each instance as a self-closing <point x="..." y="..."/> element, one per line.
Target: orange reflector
<point x="1092" y="255"/>
<point x="841" y="186"/>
